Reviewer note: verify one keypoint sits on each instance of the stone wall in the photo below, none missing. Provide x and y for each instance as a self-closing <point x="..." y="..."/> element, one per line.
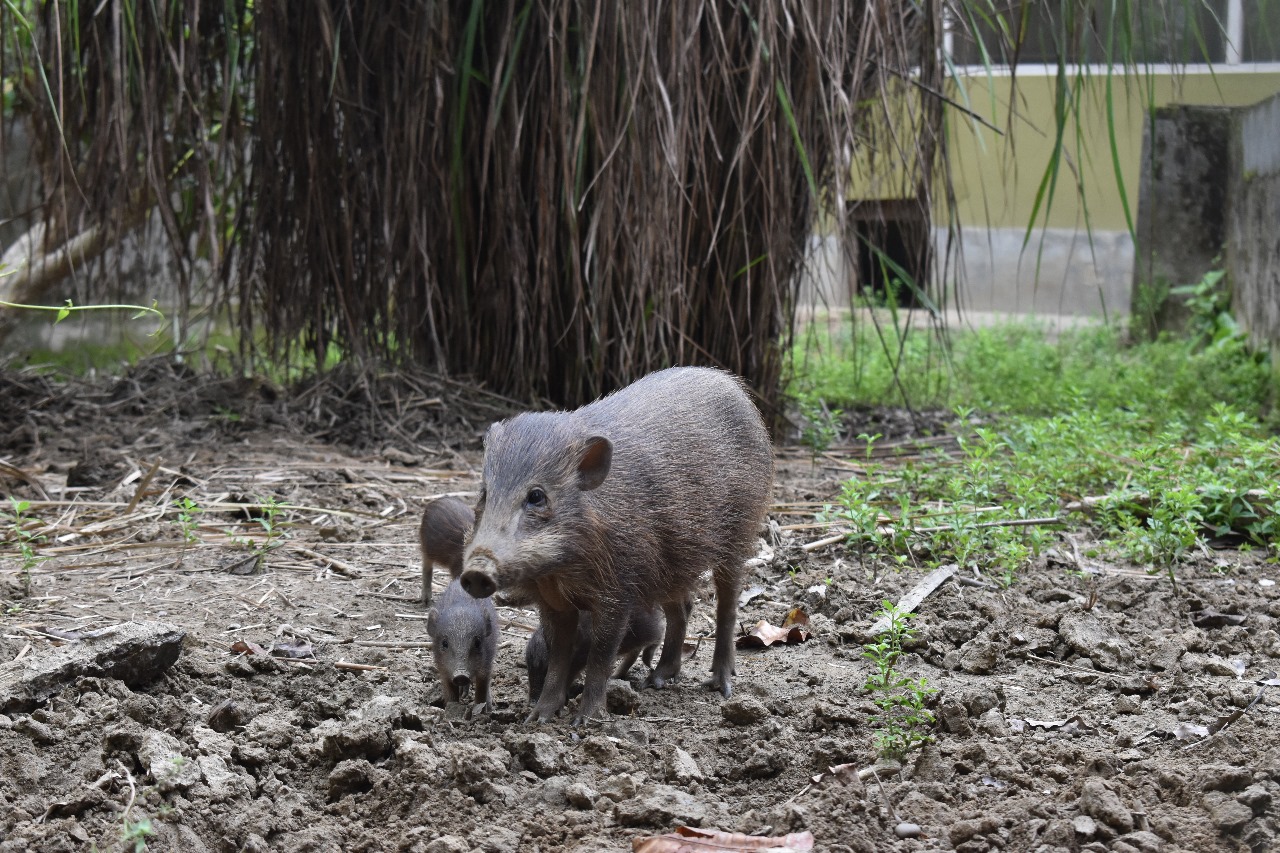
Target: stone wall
<point x="1253" y="222"/>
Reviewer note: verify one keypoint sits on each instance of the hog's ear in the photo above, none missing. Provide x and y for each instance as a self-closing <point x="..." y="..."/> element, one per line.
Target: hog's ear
<point x="593" y="465"/>
<point x="492" y="433"/>
<point x="432" y="616"/>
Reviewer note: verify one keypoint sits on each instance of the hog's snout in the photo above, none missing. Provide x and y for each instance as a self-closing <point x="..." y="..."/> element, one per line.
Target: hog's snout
<point x="461" y="683"/>
<point x="480" y="577"/>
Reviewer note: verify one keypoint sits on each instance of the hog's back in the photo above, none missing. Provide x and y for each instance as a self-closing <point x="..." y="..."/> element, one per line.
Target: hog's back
<point x="691" y="473"/>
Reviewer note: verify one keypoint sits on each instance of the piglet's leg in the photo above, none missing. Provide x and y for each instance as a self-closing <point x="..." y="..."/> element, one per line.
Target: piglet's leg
<point x="560" y="628"/>
<point x="668" y="668"/>
<point x="606" y="636"/>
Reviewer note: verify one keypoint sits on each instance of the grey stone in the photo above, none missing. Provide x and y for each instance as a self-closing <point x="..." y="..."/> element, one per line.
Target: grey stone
<point x="448" y="844"/>
<point x="1100" y="802"/>
<point x="580" y="795"/>
<point x="660" y="806"/>
<point x="679" y="767"/>
<point x="470" y="765"/>
<point x="1255" y="797"/>
<point x="619" y="787"/>
<point x="979" y="656"/>
<point x="537" y="751"/>
<point x="1097" y="640"/>
<point x="162" y="755"/>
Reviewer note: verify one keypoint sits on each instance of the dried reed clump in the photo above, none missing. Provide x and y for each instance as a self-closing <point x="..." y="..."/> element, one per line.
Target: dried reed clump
<point x="554" y="197"/>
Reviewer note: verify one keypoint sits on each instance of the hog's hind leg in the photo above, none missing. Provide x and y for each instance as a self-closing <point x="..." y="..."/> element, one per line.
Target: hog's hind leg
<point x="727" y="581"/>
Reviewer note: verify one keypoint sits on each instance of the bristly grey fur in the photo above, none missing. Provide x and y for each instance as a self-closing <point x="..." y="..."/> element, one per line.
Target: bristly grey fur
<point x="688" y="485"/>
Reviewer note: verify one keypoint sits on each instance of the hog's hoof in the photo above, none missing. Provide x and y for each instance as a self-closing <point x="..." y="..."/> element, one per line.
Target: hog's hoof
<point x="658" y="680"/>
<point x="721" y="683"/>
<point x="542" y="715"/>
<point x="580" y="719"/>
<point x="479" y="708"/>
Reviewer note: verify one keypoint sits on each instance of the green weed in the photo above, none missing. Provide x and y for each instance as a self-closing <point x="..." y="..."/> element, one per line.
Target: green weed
<point x="904" y="722"/>
<point x="20" y="524"/>
<point x="189" y="519"/>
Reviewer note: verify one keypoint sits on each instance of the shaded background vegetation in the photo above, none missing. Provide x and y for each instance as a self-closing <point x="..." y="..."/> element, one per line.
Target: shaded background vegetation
<point x="555" y="197"/>
<point x="552" y="197"/>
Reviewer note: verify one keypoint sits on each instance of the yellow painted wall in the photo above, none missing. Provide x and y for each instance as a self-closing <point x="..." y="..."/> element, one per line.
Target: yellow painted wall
<point x="996" y="178"/>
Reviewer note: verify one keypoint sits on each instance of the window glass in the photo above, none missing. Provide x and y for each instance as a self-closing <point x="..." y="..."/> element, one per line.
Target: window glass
<point x="1174" y="31"/>
<point x="1261" y="31"/>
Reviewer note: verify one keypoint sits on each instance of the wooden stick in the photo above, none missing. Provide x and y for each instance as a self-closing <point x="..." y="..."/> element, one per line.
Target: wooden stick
<point x="342" y="568"/>
<point x="142" y="487"/>
<point x="909" y="602"/>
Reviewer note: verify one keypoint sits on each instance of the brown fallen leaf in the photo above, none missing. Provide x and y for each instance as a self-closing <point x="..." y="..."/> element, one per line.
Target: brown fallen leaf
<point x="244" y="647"/>
<point x="794" y="629"/>
<point x="689" y="840"/>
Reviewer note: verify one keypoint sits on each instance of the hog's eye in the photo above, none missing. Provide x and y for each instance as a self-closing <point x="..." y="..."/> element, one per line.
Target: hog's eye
<point x="536" y="499"/>
<point x="444" y="643"/>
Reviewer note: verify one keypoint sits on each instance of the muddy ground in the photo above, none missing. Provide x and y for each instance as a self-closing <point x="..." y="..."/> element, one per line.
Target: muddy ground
<point x="1066" y="704"/>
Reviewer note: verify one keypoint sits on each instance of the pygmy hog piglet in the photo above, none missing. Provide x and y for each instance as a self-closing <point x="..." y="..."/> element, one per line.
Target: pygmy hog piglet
<point x="644" y="632"/>
<point x="623" y="503"/>
<point x="445" y="524"/>
<point x="464" y="635"/>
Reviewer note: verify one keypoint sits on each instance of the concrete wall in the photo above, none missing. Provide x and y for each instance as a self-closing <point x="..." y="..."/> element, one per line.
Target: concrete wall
<point x="1182" y="210"/>
<point x="1061" y="272"/>
<point x="1253" y="222"/>
<point x="1080" y="258"/>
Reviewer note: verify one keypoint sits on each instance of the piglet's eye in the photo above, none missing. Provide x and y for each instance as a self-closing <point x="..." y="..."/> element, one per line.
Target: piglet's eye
<point x="536" y="499"/>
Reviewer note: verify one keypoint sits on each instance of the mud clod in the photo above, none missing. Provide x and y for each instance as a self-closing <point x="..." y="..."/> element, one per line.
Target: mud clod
<point x="1101" y="803"/>
<point x="743" y="711"/>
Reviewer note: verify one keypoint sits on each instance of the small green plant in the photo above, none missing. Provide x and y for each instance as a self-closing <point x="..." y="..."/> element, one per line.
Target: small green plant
<point x="134" y="834"/>
<point x="821" y="426"/>
<point x="1167" y="533"/>
<point x="189" y="519"/>
<point x="269" y="511"/>
<point x="21" y="532"/>
<point x="904" y="722"/>
<point x="1209" y="303"/>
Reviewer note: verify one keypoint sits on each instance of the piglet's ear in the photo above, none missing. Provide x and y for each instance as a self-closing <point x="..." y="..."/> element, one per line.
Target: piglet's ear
<point x="432" y="616"/>
<point x="593" y="465"/>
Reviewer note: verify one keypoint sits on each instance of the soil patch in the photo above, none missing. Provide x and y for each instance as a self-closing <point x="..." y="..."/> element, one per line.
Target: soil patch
<point x="1068" y="708"/>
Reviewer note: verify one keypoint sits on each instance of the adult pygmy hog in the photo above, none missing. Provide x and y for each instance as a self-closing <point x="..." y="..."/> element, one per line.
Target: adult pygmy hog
<point x="642" y="635"/>
<point x="445" y="523"/>
<point x="623" y="502"/>
<point x="464" y="635"/>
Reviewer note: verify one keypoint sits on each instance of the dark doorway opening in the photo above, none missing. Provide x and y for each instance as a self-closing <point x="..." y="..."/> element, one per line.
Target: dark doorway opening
<point x="893" y="248"/>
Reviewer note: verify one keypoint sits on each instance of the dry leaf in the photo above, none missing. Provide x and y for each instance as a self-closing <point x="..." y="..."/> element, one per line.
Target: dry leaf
<point x="244" y="647"/>
<point x="294" y="648"/>
<point x="689" y="840"/>
<point x="794" y="629"/>
<point x="1186" y="731"/>
<point x="796" y="616"/>
<point x="1222" y="722"/>
<point x="1210" y="618"/>
<point x="1049" y="725"/>
<point x="1269" y="679"/>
